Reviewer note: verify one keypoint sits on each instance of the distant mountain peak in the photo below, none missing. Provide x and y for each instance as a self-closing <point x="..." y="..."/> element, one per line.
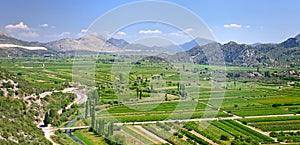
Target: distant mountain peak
<point x="231" y="43"/>
<point x="194" y="43"/>
<point x="298" y="37"/>
<point x="121" y="43"/>
<point x="87" y="43"/>
<point x="291" y="42"/>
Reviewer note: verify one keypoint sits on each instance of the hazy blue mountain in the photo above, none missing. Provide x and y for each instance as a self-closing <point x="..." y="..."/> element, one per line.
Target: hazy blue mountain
<point x="196" y="42"/>
<point x="121" y="43"/>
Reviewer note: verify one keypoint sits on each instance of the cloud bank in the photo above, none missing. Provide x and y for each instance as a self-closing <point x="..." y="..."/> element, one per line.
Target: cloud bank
<point x="21" y="25"/>
<point x="232" y="26"/>
<point x="150" y="32"/>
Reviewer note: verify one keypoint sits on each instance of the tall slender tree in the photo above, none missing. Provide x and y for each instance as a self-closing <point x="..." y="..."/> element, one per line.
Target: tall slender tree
<point x="151" y="88"/>
<point x="47" y="119"/>
<point x="94" y="96"/>
<point x="110" y="129"/>
<point x="182" y="90"/>
<point x="141" y="94"/>
<point x="98" y="129"/>
<point x="86" y="108"/>
<point x="90" y="105"/>
<point x="137" y="92"/>
<point x="96" y="126"/>
<point x="101" y="127"/>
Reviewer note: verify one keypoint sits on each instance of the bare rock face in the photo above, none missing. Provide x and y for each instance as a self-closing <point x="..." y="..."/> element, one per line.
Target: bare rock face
<point x="90" y="42"/>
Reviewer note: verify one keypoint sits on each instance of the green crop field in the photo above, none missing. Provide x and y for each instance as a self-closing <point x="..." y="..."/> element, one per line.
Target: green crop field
<point x="152" y="91"/>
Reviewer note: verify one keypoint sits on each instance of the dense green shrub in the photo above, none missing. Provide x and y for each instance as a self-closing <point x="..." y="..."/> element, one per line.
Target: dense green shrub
<point x="224" y="137"/>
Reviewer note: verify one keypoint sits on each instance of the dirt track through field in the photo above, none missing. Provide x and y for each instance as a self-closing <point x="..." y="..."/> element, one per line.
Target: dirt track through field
<point x="151" y="134"/>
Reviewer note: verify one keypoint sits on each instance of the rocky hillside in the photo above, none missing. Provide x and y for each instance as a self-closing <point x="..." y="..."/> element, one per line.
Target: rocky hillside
<point x="17" y="117"/>
<point x="12" y="47"/>
<point x="7" y="39"/>
<point x="283" y="54"/>
<point x="90" y="42"/>
<point x="23" y="107"/>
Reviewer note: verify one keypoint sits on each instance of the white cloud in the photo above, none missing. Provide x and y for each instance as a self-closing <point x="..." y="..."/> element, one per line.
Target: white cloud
<point x="44" y="25"/>
<point x="21" y="30"/>
<point x="232" y="26"/>
<point x="29" y="34"/>
<point x="84" y="30"/>
<point x="121" y="33"/>
<point x="21" y="25"/>
<point x="248" y="26"/>
<point x="150" y="32"/>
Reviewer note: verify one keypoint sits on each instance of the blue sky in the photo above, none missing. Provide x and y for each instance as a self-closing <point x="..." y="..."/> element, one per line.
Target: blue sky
<point x="243" y="21"/>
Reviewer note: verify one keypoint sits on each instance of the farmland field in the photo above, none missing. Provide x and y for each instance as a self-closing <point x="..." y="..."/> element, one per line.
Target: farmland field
<point x="171" y="103"/>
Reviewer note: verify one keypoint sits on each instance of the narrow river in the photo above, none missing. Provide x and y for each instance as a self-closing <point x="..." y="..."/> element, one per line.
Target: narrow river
<point x="81" y="98"/>
<point x="69" y="131"/>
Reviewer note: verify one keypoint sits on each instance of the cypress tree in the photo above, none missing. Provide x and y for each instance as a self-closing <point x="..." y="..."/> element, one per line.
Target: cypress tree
<point x="93" y="115"/>
<point x="93" y="120"/>
<point x="98" y="129"/>
<point x="86" y="108"/>
<point x="90" y="105"/>
<point x="101" y="127"/>
<point x="95" y="97"/>
<point x="141" y="94"/>
<point x="110" y="129"/>
<point x="182" y="93"/>
<point x="96" y="126"/>
<point x="151" y="88"/>
<point x="137" y="92"/>
<point x="47" y="119"/>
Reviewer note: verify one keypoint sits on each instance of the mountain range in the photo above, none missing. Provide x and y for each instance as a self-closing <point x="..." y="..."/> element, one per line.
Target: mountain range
<point x="280" y="54"/>
<point x="286" y="53"/>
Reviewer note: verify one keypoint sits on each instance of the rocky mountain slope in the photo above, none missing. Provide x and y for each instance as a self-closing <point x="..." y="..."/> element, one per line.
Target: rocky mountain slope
<point x="90" y="42"/>
<point x="286" y="53"/>
<point x="283" y="54"/>
<point x="12" y="47"/>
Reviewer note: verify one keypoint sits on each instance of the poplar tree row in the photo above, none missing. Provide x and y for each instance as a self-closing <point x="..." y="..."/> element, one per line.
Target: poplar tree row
<point x="97" y="126"/>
